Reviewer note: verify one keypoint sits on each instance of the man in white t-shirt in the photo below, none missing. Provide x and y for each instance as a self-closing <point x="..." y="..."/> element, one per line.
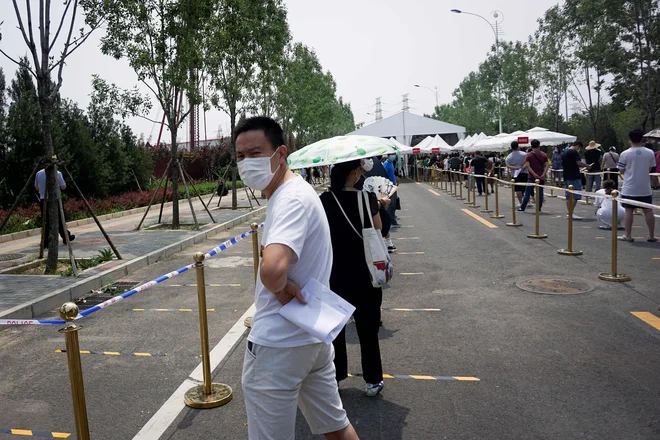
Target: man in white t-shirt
<point x="286" y="367"/>
<point x="515" y="162"/>
<point x="40" y="186"/>
<point x="635" y="165"/>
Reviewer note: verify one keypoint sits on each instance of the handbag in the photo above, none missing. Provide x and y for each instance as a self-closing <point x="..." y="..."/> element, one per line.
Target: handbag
<point x="376" y="256"/>
<point x="398" y="203"/>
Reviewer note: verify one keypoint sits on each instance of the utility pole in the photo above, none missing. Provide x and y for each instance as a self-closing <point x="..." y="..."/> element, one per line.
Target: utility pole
<point x="406" y="107"/>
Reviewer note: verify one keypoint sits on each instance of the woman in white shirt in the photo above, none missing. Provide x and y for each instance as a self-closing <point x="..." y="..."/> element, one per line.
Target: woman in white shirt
<point x="604" y="207"/>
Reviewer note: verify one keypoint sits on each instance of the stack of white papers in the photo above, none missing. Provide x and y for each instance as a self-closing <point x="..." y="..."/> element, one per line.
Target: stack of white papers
<point x="324" y="315"/>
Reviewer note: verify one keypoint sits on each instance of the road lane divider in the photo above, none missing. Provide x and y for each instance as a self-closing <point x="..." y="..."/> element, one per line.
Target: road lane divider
<point x="411" y="273"/>
<point x="423" y="377"/>
<point x="648" y="318"/>
<point x="434" y="193"/>
<point x="407" y="238"/>
<point x="480" y="219"/>
<point x="33" y="433"/>
<point x="118" y="353"/>
<point x="409" y="253"/>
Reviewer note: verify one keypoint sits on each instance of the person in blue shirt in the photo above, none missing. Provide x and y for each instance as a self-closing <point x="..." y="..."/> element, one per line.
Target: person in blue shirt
<point x="388" y="164"/>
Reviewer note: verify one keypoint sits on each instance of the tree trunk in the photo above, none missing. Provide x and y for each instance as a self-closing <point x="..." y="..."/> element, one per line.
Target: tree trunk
<point x="52" y="187"/>
<point x="232" y="117"/>
<point x="175" y="176"/>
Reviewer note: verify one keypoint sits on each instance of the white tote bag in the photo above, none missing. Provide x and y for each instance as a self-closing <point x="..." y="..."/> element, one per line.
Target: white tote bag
<point x="377" y="258"/>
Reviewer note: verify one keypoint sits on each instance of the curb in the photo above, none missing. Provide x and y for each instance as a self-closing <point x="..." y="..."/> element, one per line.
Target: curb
<point x="52" y="300"/>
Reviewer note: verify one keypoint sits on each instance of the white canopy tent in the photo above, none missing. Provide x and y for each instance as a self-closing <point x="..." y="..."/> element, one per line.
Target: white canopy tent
<point x="436" y="146"/>
<point x="476" y="139"/>
<point x="549" y="138"/>
<point x="493" y="143"/>
<point x="404" y="125"/>
<point x="403" y="149"/>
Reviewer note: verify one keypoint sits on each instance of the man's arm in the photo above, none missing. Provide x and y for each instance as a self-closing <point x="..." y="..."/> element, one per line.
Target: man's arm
<point x="273" y="271"/>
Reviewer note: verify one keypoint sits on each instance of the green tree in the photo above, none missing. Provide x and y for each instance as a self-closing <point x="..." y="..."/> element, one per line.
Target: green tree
<point x="245" y="51"/>
<point x="45" y="61"/>
<point x="162" y="40"/>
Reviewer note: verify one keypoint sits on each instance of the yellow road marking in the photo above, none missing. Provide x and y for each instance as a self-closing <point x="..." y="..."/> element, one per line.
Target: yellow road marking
<point x="81" y="351"/>
<point x="479" y="219"/>
<point x="412" y="273"/>
<point x="474" y="379"/>
<point x="434" y="193"/>
<point x="388" y="376"/>
<point x="161" y="310"/>
<point x="142" y="354"/>
<point x="407" y="238"/>
<point x="111" y="353"/>
<point x="138" y="310"/>
<point x="61" y="434"/>
<point x="417" y="183"/>
<point x="419" y="377"/>
<point x="648" y="318"/>
<point x="601" y="238"/>
<point x="185" y="310"/>
<point x="655" y="258"/>
<point x="21" y="432"/>
<point x="409" y="253"/>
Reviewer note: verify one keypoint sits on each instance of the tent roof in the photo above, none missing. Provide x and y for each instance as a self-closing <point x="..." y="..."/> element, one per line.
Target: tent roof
<point x="414" y="125"/>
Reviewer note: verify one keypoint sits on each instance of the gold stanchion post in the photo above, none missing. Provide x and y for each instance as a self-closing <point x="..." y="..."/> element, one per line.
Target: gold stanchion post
<point x="537" y="233"/>
<point x="569" y="250"/>
<point x="454" y="190"/>
<point x="255" y="248"/>
<point x="207" y="395"/>
<point x="513" y="222"/>
<point x="68" y="312"/>
<point x="474" y="191"/>
<point x="497" y="200"/>
<point x="486" y="209"/>
<point x="614" y="275"/>
<point x="469" y="195"/>
<point x="460" y="190"/>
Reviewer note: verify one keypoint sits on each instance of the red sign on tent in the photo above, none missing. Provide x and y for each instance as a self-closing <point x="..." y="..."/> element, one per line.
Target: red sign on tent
<point x="416" y="150"/>
<point x="435" y="150"/>
<point x="523" y="140"/>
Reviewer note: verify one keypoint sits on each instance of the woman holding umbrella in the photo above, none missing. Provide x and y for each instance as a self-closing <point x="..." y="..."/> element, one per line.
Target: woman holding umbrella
<point x="350" y="277"/>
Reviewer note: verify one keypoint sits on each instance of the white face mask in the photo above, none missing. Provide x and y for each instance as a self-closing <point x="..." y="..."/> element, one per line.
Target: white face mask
<point x="368" y="165"/>
<point x="255" y="172"/>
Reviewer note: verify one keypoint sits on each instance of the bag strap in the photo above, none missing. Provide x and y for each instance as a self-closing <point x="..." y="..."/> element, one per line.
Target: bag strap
<point x="365" y="197"/>
<point x="345" y="216"/>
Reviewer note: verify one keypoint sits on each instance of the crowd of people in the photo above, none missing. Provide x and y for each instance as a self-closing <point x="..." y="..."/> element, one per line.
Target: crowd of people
<point x="305" y="238"/>
<point x="595" y="172"/>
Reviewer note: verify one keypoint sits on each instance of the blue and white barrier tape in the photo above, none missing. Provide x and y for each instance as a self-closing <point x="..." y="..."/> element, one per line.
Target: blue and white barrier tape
<point x="216" y="250"/>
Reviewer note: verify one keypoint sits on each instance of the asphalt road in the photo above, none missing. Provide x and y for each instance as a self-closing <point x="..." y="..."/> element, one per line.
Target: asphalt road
<point x="549" y="366"/>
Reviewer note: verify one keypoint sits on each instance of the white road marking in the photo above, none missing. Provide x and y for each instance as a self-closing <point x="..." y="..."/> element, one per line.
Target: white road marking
<point x="163" y="418"/>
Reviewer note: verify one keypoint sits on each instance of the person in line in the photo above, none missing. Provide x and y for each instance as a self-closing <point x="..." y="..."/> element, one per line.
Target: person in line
<point x="556" y="165"/>
<point x="609" y="165"/>
<point x="636" y="165"/>
<point x="350" y="277"/>
<point x="388" y="164"/>
<point x="373" y="167"/>
<point x="536" y="163"/>
<point x="571" y="163"/>
<point x="40" y="186"/>
<point x="478" y="167"/>
<point x="604" y="207"/>
<point x="285" y="367"/>
<point x="593" y="158"/>
<point x="515" y="162"/>
<point x="657" y="169"/>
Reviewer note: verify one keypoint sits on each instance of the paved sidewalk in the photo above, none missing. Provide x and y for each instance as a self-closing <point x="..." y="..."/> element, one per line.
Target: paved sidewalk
<point x="16" y="290"/>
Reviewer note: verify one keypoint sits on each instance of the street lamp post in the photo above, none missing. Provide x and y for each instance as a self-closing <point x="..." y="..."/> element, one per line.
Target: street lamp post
<point x="498" y="19"/>
<point x="434" y="90"/>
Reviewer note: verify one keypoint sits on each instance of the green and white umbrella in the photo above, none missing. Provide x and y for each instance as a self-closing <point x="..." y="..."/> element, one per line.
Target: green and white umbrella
<point x="340" y="149"/>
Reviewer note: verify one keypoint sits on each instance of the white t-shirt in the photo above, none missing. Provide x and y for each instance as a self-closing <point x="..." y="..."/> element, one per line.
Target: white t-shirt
<point x="637" y="161"/>
<point x="40" y="182"/>
<point x="516" y="159"/>
<point x="295" y="218"/>
<point x="604" y="208"/>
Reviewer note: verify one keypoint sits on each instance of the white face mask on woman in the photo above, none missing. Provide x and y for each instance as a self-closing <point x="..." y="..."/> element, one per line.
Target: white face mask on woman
<point x="368" y="165"/>
<point x="255" y="172"/>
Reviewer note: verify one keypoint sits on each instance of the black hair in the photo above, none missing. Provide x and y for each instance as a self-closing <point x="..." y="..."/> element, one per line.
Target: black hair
<point x="536" y="143"/>
<point x="514" y="145"/>
<point x="272" y="130"/>
<point x="609" y="184"/>
<point x="478" y="153"/>
<point x="340" y="173"/>
<point x="577" y="144"/>
<point x="636" y="135"/>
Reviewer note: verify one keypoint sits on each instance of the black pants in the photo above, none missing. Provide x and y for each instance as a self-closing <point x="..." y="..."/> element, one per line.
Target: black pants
<point x="612" y="174"/>
<point x="385" y="220"/>
<point x="367" y="304"/>
<point x="43" y="205"/>
<point x="481" y="185"/>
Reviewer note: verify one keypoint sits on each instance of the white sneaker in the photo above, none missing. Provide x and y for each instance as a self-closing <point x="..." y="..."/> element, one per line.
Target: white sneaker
<point x="575" y="217"/>
<point x="373" y="389"/>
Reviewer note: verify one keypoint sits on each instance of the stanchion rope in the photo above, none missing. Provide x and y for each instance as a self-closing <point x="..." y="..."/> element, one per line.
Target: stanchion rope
<point x="216" y="250"/>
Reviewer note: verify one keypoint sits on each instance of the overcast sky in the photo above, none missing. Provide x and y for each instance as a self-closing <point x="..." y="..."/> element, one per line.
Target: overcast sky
<point x="374" y="48"/>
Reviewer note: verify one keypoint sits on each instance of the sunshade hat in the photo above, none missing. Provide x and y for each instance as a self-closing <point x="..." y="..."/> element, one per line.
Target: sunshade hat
<point x="593" y="145"/>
